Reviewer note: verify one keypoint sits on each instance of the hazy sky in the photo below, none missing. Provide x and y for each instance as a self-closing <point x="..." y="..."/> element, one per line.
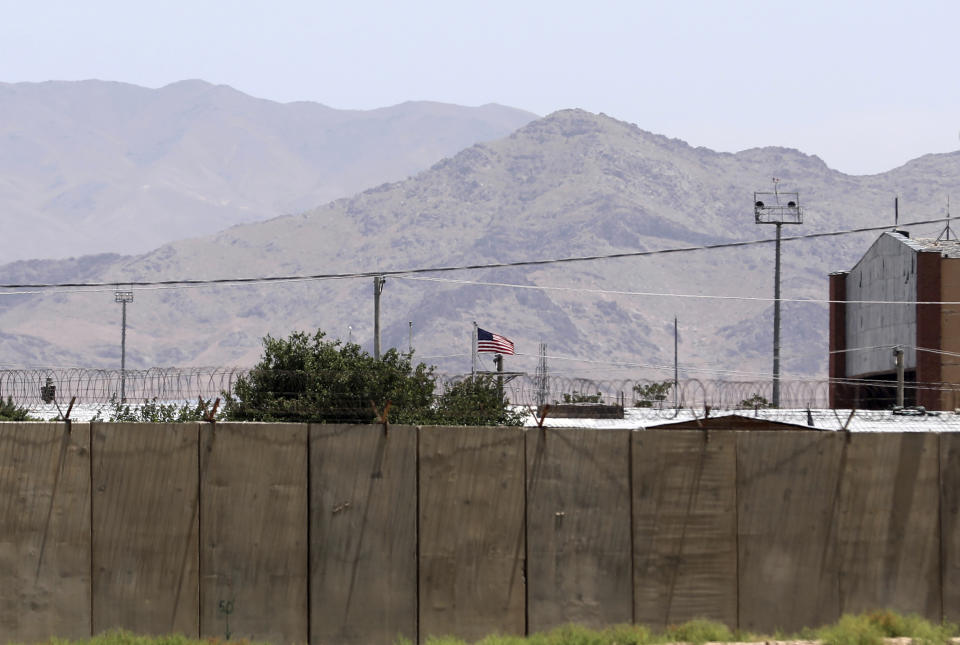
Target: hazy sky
<point x="864" y="85"/>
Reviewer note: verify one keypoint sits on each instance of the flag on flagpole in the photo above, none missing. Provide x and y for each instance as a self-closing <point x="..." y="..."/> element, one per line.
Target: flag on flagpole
<point x="493" y="343"/>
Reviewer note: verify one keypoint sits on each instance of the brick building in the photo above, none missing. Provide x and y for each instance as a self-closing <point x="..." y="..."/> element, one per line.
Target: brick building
<point x="866" y="324"/>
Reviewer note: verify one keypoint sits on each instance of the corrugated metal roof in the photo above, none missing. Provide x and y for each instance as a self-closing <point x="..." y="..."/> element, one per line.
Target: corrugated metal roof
<point x="948" y="248"/>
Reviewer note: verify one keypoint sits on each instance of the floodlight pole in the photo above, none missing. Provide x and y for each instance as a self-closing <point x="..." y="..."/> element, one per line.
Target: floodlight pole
<point x="779" y="208"/>
<point x="776" y="324"/>
<point x="123" y="297"/>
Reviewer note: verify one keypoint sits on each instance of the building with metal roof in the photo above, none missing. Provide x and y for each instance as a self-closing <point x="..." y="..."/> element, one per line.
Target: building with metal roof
<point x="900" y="296"/>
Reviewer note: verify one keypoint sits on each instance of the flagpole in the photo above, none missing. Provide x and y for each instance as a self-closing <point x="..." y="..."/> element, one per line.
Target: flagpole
<point x="473" y="351"/>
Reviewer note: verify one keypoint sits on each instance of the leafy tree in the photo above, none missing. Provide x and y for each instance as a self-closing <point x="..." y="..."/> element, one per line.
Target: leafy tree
<point x="476" y="400"/>
<point x="9" y="411"/>
<point x="307" y="378"/>
<point x="647" y="393"/>
<point x="580" y="397"/>
<point x="156" y="412"/>
<point x="756" y="401"/>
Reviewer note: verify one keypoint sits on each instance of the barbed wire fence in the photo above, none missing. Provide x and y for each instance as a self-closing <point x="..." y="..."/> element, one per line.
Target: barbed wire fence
<point x="47" y="393"/>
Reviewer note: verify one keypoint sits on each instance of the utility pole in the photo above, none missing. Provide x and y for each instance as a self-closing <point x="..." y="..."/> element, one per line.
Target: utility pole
<point x="410" y="338"/>
<point x="777" y="208"/>
<point x="123" y="297"/>
<point x="378" y="281"/>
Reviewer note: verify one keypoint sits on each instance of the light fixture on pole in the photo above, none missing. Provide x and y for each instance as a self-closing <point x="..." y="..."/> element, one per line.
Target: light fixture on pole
<point x="123" y="297"/>
<point x="777" y="208"/>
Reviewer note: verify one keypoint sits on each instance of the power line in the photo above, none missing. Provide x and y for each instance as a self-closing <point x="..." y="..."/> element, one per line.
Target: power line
<point x="913" y="347"/>
<point x="445" y="269"/>
<point x="654" y="294"/>
<point x="58" y="289"/>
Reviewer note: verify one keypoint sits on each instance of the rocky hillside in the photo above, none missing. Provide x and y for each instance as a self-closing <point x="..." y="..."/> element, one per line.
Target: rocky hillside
<point x="571" y="184"/>
<point x="92" y="167"/>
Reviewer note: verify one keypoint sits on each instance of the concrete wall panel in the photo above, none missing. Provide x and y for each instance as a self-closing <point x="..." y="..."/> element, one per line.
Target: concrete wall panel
<point x="363" y="540"/>
<point x="888" y="542"/>
<point x="684" y="526"/>
<point x="253" y="531"/>
<point x="786" y="492"/>
<point x="145" y="520"/>
<point x="44" y="531"/>
<point x="471" y="510"/>
<point x="578" y="528"/>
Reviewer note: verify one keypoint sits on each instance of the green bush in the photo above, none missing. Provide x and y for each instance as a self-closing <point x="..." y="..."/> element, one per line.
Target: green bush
<point x="922" y="631"/>
<point x="862" y="629"/>
<point x="306" y="378"/>
<point x="581" y="397"/>
<point x="155" y="412"/>
<point x="755" y="401"/>
<point x="872" y="627"/>
<point x="9" y="411"/>
<point x="650" y="393"/>
<point x="852" y="630"/>
<point x="476" y="400"/>
<point x="699" y="631"/>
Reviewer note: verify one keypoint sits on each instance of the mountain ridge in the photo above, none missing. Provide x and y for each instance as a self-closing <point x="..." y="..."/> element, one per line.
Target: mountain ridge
<point x="570" y="184"/>
<point x="100" y="166"/>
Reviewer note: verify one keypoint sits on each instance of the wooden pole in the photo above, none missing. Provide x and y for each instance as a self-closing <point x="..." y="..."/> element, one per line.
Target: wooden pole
<point x="378" y="281"/>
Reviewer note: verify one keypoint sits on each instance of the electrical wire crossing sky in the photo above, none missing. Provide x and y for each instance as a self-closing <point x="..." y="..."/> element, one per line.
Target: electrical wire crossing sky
<point x="237" y="280"/>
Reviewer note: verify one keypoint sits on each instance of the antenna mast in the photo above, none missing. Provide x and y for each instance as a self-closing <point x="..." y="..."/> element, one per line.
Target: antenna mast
<point x="543" y="384"/>
<point x="947" y="232"/>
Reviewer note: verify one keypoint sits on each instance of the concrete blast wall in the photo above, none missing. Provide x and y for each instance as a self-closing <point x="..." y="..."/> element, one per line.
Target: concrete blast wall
<point x="253" y="531"/>
<point x="472" y="538"/>
<point x="45" y="531"/>
<point x="364" y="534"/>
<point x="145" y="518"/>
<point x="684" y="526"/>
<point x="579" y="561"/>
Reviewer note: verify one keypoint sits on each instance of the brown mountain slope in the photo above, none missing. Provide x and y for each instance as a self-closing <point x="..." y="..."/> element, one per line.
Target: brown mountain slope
<point x="571" y="184"/>
<point x="92" y="167"/>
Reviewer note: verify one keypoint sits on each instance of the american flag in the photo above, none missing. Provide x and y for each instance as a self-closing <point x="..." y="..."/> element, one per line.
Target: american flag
<point x="495" y="343"/>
